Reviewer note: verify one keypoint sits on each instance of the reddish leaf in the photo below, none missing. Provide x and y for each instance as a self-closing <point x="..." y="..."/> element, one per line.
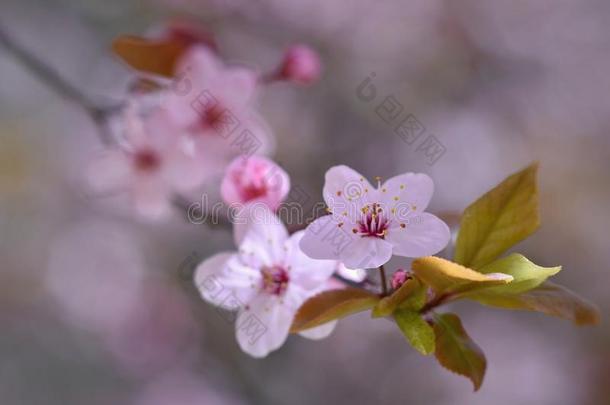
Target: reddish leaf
<point x="151" y="56"/>
<point x="331" y="305"/>
<point x="456" y="351"/>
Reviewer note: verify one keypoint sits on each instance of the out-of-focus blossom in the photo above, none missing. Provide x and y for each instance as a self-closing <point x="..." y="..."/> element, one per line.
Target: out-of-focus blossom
<point x="301" y="65"/>
<point x="151" y="163"/>
<point x="398" y="278"/>
<point x="267" y="280"/>
<point x="375" y="223"/>
<point x="214" y="104"/>
<point x="255" y="179"/>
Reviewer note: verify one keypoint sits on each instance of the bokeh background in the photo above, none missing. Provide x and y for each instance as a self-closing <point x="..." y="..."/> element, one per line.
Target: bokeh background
<point x="97" y="307"/>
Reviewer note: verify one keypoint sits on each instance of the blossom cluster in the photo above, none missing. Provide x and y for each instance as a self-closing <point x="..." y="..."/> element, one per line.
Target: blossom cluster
<point x="191" y="116"/>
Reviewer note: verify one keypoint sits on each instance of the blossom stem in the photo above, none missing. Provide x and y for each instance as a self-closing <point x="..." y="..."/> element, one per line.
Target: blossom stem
<point x="435" y="302"/>
<point x="53" y="80"/>
<point x="384" y="284"/>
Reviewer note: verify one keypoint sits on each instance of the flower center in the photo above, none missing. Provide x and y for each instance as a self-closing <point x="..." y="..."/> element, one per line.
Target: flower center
<point x="253" y="191"/>
<point x="147" y="160"/>
<point x="213" y="116"/>
<point x="373" y="222"/>
<point x="275" y="280"/>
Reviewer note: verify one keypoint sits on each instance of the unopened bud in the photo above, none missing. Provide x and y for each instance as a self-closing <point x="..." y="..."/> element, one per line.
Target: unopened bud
<point x="301" y="65"/>
<point x="399" y="278"/>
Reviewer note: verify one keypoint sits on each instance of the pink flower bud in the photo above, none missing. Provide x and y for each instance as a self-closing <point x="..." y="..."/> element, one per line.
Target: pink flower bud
<point x="399" y="278"/>
<point x="301" y="65"/>
<point x="255" y="179"/>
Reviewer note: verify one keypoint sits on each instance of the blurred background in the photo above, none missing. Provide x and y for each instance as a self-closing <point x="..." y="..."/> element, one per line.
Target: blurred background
<point x="98" y="307"/>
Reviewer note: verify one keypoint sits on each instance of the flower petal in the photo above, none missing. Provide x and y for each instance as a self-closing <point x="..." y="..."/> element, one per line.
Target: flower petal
<point x="258" y="231"/>
<point x="319" y="332"/>
<point x="345" y="190"/>
<point x="356" y="275"/>
<point x="407" y="192"/>
<point x="308" y="273"/>
<point x="366" y="253"/>
<point x="263" y="325"/>
<point x="224" y="281"/>
<point x="423" y="235"/>
<point x="151" y="198"/>
<point x="239" y="85"/>
<point x="324" y="239"/>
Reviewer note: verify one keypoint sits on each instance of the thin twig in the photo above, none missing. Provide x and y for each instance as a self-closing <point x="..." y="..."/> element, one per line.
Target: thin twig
<point x="55" y="81"/>
<point x="384" y="284"/>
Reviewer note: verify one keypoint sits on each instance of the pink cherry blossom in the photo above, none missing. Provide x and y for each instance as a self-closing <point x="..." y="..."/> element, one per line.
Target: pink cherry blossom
<point x="367" y="225"/>
<point x="150" y="163"/>
<point x="266" y="281"/>
<point x="214" y="103"/>
<point x="255" y="179"/>
<point x="301" y="65"/>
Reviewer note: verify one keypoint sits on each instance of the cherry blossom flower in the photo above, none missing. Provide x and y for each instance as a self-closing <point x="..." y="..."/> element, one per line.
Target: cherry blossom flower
<point x="150" y="163"/>
<point x="255" y="179"/>
<point x="214" y="103"/>
<point x="367" y="225"/>
<point x="266" y="281"/>
<point x="301" y="65"/>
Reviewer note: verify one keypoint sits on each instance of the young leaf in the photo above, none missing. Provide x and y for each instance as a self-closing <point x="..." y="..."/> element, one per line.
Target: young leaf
<point x="331" y="305"/>
<point x="499" y="219"/>
<point x="446" y="276"/>
<point x="526" y="275"/>
<point x="152" y="56"/>
<point x="548" y="298"/>
<point x="456" y="351"/>
<point x="416" y="330"/>
<point x="412" y="295"/>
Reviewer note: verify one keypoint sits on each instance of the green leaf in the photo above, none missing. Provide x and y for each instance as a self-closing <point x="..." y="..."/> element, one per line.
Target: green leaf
<point x="152" y="56"/>
<point x="411" y="295"/>
<point x="548" y="298"/>
<point x="445" y="276"/>
<point x="331" y="305"/>
<point x="416" y="330"/>
<point x="456" y="351"/>
<point x="498" y="220"/>
<point x="526" y="275"/>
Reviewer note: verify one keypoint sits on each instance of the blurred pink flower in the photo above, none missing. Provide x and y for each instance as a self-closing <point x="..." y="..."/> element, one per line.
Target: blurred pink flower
<point x="267" y="280"/>
<point x="151" y="163"/>
<point x="374" y="223"/>
<point x="301" y="65"/>
<point x="214" y="104"/>
<point x="255" y="179"/>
